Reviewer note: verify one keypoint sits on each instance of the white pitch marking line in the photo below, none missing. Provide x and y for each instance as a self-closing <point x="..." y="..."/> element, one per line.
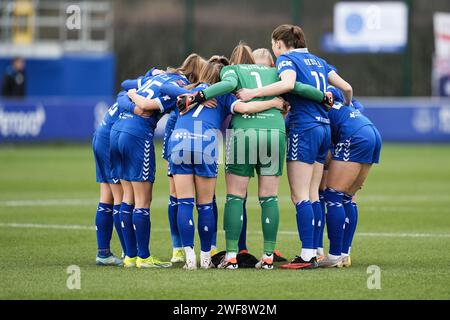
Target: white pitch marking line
<point x="284" y="232"/>
<point x="162" y="201"/>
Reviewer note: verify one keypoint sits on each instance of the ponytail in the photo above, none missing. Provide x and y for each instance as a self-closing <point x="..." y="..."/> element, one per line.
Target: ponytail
<point x="190" y="67"/>
<point x="242" y="54"/>
<point x="292" y="36"/>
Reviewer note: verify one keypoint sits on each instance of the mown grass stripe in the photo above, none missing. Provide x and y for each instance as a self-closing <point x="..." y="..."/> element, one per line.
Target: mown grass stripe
<point x="283" y="232"/>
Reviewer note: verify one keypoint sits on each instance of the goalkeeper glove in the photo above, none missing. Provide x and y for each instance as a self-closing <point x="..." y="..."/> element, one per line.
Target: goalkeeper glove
<point x="328" y="101"/>
<point x="186" y="102"/>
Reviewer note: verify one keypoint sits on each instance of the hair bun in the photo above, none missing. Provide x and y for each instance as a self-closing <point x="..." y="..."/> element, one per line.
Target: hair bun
<point x="295" y="31"/>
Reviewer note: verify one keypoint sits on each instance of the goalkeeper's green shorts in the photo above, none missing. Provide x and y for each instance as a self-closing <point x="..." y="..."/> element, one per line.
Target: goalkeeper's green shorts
<point x="262" y="150"/>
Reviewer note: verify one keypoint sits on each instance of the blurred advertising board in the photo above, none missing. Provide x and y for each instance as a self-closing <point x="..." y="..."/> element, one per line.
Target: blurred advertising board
<point x="410" y="119"/>
<point x="74" y="120"/>
<point x="51" y="119"/>
<point x="369" y="26"/>
<point x="441" y="60"/>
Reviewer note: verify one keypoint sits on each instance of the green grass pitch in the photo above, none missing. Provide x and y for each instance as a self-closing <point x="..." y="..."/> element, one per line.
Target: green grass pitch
<point x="48" y="199"/>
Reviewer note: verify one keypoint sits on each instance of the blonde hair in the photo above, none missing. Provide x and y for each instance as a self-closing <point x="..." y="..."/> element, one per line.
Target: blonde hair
<point x="190" y="68"/>
<point x="242" y="54"/>
<point x="209" y="74"/>
<point x="263" y="54"/>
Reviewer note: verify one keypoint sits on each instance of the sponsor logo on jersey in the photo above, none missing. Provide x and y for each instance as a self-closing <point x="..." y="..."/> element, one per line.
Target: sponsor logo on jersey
<point x="125" y="116"/>
<point x="323" y="120"/>
<point x="285" y="63"/>
<point x="355" y="114"/>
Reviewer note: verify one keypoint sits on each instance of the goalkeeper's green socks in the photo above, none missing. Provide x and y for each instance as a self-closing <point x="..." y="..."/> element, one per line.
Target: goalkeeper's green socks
<point x="232" y="221"/>
<point x="270" y="219"/>
<point x="233" y="215"/>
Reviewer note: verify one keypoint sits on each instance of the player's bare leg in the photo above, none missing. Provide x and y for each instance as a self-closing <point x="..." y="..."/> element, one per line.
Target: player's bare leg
<point x="343" y="175"/>
<point x="128" y="193"/>
<point x="299" y="176"/>
<point x="142" y="194"/>
<point x="106" y="196"/>
<point x="359" y="181"/>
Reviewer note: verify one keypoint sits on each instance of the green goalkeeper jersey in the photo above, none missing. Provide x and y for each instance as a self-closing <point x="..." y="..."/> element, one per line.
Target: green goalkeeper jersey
<point x="251" y="76"/>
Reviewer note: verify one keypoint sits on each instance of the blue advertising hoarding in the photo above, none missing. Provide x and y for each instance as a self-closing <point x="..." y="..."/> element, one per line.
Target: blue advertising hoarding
<point x="410" y="119"/>
<point x="69" y="75"/>
<point x="75" y="119"/>
<point x="51" y="119"/>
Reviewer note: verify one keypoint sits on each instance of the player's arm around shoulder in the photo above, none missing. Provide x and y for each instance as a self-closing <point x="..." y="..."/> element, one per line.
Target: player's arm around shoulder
<point x="335" y="80"/>
<point x="288" y="78"/>
<point x="142" y="102"/>
<point x="173" y="90"/>
<point x="229" y="82"/>
<point x="258" y="106"/>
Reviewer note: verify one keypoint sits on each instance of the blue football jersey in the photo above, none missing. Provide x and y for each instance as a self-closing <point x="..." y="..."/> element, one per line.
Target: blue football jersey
<point x="110" y="116"/>
<point x="145" y="126"/>
<point x="201" y="124"/>
<point x="339" y="98"/>
<point x="114" y="111"/>
<point x="345" y="121"/>
<point x="171" y="121"/>
<point x="310" y="69"/>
